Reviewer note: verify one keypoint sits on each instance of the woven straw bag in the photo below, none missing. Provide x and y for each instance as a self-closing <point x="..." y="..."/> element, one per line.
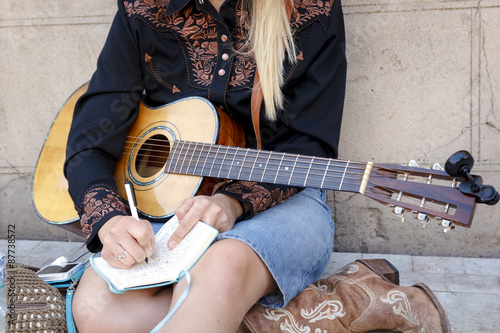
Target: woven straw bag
<point x="33" y="305"/>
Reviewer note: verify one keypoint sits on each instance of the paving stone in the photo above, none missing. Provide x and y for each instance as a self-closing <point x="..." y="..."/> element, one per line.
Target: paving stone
<point x="438" y="265"/>
<point x="472" y="313"/>
<point x="468" y="288"/>
<point x="46" y="252"/>
<point x="482" y="266"/>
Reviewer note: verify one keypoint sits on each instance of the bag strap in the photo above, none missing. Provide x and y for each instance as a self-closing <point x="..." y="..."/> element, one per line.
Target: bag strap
<point x="256" y="98"/>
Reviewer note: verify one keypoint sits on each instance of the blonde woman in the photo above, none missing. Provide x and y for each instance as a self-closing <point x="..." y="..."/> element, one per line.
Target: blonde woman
<point x="274" y="240"/>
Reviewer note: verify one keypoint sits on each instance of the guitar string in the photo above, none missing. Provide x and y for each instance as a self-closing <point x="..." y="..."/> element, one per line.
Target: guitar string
<point x="339" y="173"/>
<point x="193" y="150"/>
<point x="335" y="168"/>
<point x="197" y="144"/>
<point x="299" y="176"/>
<point x="328" y="178"/>
<point x="230" y="151"/>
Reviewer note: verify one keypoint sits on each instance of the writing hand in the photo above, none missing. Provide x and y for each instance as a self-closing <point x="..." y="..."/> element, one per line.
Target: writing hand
<point x="137" y="241"/>
<point x="220" y="211"/>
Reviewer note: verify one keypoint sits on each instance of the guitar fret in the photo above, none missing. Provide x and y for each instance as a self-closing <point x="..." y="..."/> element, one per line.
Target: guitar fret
<point x="183" y="157"/>
<point x="293" y="169"/>
<point x="222" y="163"/>
<point x="181" y="146"/>
<point x="253" y="167"/>
<point x="198" y="159"/>
<point x="232" y="163"/>
<point x="261" y="165"/>
<point x="207" y="152"/>
<point x="243" y="163"/>
<point x="192" y="151"/>
<point x="308" y="171"/>
<point x="279" y="167"/>
<point x="343" y="175"/>
<point x="239" y="158"/>
<point x="301" y="164"/>
<point x="324" y="174"/>
<point x="267" y="164"/>
<point x="226" y="166"/>
<point x="213" y="161"/>
<point x="170" y="160"/>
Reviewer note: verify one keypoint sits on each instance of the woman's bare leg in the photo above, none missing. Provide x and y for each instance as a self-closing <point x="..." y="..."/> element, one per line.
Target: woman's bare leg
<point x="97" y="309"/>
<point x="227" y="281"/>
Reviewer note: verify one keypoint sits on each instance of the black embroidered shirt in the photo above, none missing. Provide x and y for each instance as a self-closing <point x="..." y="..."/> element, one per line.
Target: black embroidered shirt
<point x="160" y="51"/>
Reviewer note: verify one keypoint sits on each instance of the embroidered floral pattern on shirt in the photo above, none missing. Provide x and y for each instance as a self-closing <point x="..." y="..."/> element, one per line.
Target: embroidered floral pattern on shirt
<point x="308" y="10"/>
<point x="198" y="32"/>
<point x="244" y="62"/>
<point x="97" y="202"/>
<point x="197" y="29"/>
<point x="259" y="196"/>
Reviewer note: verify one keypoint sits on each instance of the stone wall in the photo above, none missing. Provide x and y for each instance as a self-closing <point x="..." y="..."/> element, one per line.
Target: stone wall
<point x="422" y="78"/>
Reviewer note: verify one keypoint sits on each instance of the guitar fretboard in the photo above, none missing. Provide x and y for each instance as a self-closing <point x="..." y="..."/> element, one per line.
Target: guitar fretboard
<point x="201" y="159"/>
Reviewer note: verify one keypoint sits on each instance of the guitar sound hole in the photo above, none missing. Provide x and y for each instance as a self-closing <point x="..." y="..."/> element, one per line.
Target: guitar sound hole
<point x="152" y="156"/>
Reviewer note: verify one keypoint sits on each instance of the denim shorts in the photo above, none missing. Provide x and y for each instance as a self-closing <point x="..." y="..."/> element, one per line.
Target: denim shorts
<point x="294" y="239"/>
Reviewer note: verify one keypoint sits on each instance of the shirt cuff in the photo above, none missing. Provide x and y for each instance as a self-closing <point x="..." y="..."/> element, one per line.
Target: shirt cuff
<point x="99" y="204"/>
<point x="258" y="196"/>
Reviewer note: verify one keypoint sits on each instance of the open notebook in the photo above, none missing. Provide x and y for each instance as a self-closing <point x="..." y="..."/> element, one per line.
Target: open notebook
<point x="164" y="265"/>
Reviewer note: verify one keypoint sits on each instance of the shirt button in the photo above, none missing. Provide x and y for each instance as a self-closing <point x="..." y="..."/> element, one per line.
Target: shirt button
<point x="201" y="1"/>
<point x="223" y="38"/>
<point x="221" y="72"/>
<point x="225" y="56"/>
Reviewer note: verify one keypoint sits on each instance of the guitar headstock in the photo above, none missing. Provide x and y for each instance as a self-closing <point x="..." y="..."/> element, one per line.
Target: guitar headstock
<point x="426" y="193"/>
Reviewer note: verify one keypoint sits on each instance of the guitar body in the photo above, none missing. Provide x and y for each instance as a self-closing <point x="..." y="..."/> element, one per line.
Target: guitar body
<point x="148" y="146"/>
<point x="183" y="148"/>
<point x="49" y="192"/>
<point x="158" y="194"/>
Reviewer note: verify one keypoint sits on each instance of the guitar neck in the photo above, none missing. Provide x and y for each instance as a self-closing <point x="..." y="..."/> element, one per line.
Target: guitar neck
<point x="200" y="159"/>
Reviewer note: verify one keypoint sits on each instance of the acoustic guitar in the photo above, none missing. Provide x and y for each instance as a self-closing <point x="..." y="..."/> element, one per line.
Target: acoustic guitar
<point x="177" y="150"/>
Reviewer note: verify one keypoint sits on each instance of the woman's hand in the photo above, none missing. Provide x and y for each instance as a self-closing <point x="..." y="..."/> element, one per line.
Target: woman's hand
<point x="220" y="211"/>
<point x="124" y="233"/>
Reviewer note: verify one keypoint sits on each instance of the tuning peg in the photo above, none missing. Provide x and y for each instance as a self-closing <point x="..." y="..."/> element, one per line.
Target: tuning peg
<point x="413" y="163"/>
<point x="459" y="165"/>
<point x="447" y="225"/>
<point x="437" y="166"/>
<point x="424" y="219"/>
<point x="399" y="211"/>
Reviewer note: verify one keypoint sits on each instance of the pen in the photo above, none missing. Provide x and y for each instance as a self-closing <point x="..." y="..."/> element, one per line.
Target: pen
<point x="129" y="188"/>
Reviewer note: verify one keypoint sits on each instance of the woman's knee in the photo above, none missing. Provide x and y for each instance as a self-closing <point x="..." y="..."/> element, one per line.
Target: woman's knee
<point x="89" y="301"/>
<point x="97" y="309"/>
<point x="235" y="269"/>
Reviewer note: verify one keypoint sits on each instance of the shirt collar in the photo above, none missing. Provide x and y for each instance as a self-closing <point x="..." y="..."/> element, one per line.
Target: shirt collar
<point x="173" y="6"/>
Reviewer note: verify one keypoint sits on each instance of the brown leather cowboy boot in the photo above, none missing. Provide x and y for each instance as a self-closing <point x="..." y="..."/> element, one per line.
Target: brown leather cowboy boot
<point x="364" y="296"/>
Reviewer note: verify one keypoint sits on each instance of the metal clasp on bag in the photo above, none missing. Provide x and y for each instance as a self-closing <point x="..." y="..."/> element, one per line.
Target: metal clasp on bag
<point x="73" y="284"/>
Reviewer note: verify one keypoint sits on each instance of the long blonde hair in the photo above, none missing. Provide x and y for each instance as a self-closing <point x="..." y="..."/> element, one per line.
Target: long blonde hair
<point x="271" y="38"/>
